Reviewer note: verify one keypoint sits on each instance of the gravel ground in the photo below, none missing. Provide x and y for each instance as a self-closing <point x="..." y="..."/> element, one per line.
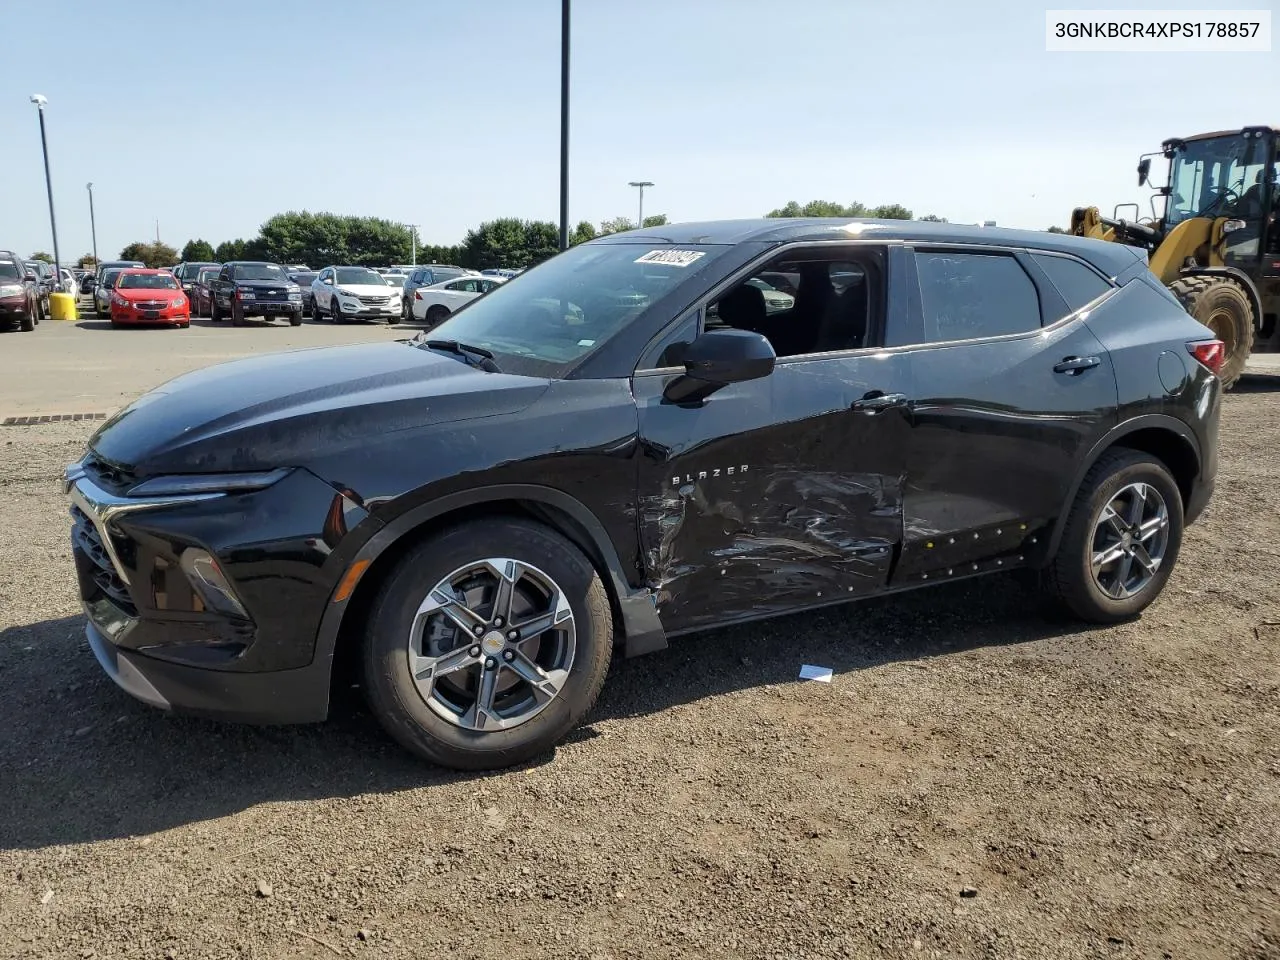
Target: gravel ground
<point x="978" y="781"/>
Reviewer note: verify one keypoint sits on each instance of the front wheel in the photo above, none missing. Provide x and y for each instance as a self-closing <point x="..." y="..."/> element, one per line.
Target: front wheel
<point x="487" y="644"/>
<point x="1121" y="539"/>
<point x="295" y="318"/>
<point x="215" y="316"/>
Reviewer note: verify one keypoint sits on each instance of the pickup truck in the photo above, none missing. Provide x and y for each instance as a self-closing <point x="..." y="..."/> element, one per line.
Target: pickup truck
<point x="253" y="288"/>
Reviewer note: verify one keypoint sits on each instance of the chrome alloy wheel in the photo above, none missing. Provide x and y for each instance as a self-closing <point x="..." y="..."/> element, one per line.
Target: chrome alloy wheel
<point x="1130" y="537"/>
<point x="492" y="644"/>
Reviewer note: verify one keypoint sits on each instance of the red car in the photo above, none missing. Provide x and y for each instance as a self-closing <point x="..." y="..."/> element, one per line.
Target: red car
<point x="149" y="296"/>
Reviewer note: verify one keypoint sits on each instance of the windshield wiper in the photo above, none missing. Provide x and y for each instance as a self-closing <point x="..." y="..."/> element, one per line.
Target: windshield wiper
<point x="476" y="356"/>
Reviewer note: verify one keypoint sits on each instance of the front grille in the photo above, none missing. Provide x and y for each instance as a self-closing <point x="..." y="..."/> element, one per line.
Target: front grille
<point x="151" y="304"/>
<point x="375" y="301"/>
<point x="99" y="570"/>
<point x="112" y="477"/>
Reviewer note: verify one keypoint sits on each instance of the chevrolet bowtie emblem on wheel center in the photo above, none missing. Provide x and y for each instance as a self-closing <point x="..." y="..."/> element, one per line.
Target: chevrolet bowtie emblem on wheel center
<point x="493" y="642"/>
<point x="704" y="474"/>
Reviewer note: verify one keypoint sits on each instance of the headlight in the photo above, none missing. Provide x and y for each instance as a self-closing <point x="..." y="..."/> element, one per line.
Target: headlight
<point x="348" y="293"/>
<point x="177" y="302"/>
<point x="11" y="290"/>
<point x="180" y="484"/>
<point x="245" y="293"/>
<point x="119" y="300"/>
<point x="295" y="296"/>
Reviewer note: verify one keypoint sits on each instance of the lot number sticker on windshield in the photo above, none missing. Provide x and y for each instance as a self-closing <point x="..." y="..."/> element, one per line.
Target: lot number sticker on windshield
<point x="672" y="258"/>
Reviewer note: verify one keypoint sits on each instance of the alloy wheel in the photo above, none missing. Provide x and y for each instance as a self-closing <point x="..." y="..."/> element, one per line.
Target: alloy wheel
<point x="492" y="644"/>
<point x="1130" y="538"/>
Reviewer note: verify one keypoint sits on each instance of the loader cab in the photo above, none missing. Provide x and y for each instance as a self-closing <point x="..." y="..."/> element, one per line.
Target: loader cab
<point x="1231" y="175"/>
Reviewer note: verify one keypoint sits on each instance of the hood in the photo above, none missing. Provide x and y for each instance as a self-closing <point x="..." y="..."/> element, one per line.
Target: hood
<point x="368" y="289"/>
<point x="148" y="293"/>
<point x="283" y="410"/>
<point x="280" y="285"/>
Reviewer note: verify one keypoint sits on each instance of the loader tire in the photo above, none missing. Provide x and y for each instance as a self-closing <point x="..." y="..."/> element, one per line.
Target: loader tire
<point x="1223" y="307"/>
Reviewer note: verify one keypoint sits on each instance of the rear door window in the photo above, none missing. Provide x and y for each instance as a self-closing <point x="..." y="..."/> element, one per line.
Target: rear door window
<point x="966" y="296"/>
<point x="1078" y="284"/>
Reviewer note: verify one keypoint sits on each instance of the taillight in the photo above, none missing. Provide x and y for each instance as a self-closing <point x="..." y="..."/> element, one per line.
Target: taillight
<point x="417" y="295"/>
<point x="1210" y="353"/>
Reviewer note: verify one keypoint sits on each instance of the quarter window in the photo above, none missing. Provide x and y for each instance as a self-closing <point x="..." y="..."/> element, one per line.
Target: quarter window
<point x="1077" y="283"/>
<point x="969" y="295"/>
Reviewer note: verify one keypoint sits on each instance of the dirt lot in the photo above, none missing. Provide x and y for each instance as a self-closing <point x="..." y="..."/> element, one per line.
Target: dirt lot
<point x="978" y="781"/>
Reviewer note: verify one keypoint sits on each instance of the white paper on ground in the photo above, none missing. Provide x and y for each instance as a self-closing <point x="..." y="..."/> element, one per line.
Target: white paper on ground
<point x="809" y="672"/>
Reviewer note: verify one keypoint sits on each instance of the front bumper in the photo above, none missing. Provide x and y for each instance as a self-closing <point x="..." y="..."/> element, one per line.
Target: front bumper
<point x="269" y="308"/>
<point x="168" y="315"/>
<point x="166" y="639"/>
<point x="281" y="696"/>
<point x="13" y="308"/>
<point x="366" y="311"/>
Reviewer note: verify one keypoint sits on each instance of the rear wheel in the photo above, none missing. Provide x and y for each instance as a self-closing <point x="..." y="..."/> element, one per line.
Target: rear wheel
<point x="1223" y="306"/>
<point x="237" y="314"/>
<point x="437" y="314"/>
<point x="1121" y="539"/>
<point x="487" y="644"/>
<point x="215" y="315"/>
<point x="27" y="323"/>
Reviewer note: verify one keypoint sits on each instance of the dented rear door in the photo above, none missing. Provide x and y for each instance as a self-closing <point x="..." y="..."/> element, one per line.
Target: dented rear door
<point x="775" y="494"/>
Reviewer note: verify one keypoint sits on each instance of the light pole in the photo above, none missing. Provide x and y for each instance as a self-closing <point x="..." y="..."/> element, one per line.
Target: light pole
<point x="413" y="240"/>
<point x="564" y="124"/>
<point x="641" y="184"/>
<point x="93" y="226"/>
<point x="40" y="101"/>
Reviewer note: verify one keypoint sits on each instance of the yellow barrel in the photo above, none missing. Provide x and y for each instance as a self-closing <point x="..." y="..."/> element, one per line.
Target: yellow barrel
<point x="62" y="306"/>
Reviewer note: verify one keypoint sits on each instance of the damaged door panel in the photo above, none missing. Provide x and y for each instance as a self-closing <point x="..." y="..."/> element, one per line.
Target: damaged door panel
<point x="776" y="493"/>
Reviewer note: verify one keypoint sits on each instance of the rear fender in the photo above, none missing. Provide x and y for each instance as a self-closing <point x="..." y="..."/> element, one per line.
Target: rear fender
<point x="1110" y="439"/>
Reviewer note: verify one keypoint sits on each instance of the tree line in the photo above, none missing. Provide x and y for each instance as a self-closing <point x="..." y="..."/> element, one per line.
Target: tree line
<point x="320" y="239"/>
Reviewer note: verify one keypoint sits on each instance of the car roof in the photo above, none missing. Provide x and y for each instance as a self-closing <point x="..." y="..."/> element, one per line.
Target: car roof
<point x="144" y="270"/>
<point x="1111" y="258"/>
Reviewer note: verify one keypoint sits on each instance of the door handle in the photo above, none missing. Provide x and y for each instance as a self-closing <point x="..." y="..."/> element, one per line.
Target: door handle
<point x="875" y="401"/>
<point x="1075" y="365"/>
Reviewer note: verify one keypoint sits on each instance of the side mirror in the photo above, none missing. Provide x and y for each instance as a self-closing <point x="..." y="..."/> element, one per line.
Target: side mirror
<point x="328" y="281"/>
<point x="1144" y="168"/>
<point x="717" y="359"/>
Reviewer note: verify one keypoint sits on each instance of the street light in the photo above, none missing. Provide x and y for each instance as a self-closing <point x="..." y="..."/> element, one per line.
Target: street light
<point x="40" y="102"/>
<point x="564" y="124"/>
<point x="93" y="226"/>
<point x="413" y="240"/>
<point x="641" y="184"/>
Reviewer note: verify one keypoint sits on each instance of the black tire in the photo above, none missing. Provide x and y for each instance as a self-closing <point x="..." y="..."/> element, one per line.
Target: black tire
<point x="335" y="310"/>
<point x="406" y="310"/>
<point x="214" y="315"/>
<point x="1069" y="578"/>
<point x="390" y="689"/>
<point x="27" y="323"/>
<point x="237" y="314"/>
<point x="295" y="318"/>
<point x="436" y="315"/>
<point x="1223" y="306"/>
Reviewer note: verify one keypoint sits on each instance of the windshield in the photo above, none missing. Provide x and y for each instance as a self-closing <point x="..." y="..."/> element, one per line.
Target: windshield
<point x="109" y="277"/>
<point x="1219" y="176"/>
<point x="358" y="275"/>
<point x="261" y="271"/>
<point x="207" y="274"/>
<point x="9" y="270"/>
<point x="396" y="281"/>
<point x="147" y="281"/>
<point x="558" y="312"/>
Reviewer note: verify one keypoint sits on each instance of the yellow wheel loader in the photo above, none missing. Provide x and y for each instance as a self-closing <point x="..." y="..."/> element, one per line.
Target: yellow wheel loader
<point x="1216" y="243"/>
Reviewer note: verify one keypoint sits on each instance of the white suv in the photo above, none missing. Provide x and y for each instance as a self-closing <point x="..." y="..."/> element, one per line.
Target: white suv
<point x="353" y="293"/>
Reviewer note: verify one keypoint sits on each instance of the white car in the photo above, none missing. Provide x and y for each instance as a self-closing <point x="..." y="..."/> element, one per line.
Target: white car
<point x="433" y="304"/>
<point x="353" y="293"/>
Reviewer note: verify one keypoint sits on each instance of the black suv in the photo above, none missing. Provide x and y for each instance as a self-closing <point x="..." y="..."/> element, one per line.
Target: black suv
<point x="252" y="288"/>
<point x="624" y="444"/>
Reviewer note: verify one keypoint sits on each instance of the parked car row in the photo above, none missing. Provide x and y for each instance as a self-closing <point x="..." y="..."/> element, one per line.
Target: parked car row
<point x="21" y="301"/>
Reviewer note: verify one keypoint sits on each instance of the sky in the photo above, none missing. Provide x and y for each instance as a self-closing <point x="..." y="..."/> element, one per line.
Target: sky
<point x="210" y="119"/>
